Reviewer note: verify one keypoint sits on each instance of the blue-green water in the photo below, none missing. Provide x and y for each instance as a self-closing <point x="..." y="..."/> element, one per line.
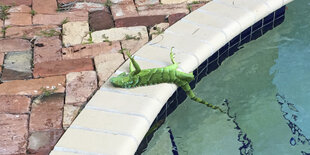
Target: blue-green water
<point x="267" y="86"/>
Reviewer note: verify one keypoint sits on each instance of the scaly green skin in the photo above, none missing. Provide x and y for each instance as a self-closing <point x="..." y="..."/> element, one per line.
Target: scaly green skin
<point x="169" y="74"/>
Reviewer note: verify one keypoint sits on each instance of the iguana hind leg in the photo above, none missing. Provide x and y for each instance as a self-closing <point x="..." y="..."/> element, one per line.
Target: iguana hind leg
<point x="188" y="77"/>
<point x="133" y="63"/>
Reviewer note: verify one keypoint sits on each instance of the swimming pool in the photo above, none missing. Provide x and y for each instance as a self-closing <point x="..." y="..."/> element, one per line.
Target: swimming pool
<point x="266" y="85"/>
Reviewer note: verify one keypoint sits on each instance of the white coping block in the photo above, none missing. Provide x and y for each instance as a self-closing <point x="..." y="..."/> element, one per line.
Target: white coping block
<point x="116" y="119"/>
<point x="131" y="105"/>
<point x="162" y="56"/>
<point x="95" y="118"/>
<point x="85" y="141"/>
<point x="210" y="36"/>
<point x="226" y="25"/>
<point x="242" y="17"/>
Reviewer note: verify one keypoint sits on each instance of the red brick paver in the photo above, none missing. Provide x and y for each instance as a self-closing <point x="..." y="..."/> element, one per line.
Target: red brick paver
<point x="15" y="2"/>
<point x="68" y="1"/>
<point x="13" y="133"/>
<point x="14" y="104"/>
<point x="146" y="2"/>
<point x="1" y="61"/>
<point x="120" y="11"/>
<point x="42" y="142"/>
<point x="90" y="50"/>
<point x="20" y="9"/>
<point x="175" y="17"/>
<point x="33" y="86"/>
<point x="19" y="19"/>
<point x="160" y="9"/>
<point x="46" y="114"/>
<point x="47" y="49"/>
<point x="126" y="15"/>
<point x="140" y="21"/>
<point x="45" y="6"/>
<point x="80" y="86"/>
<point x="100" y="20"/>
<point x="57" y="19"/>
<point x="194" y="7"/>
<point x="62" y="67"/>
<point x="29" y="32"/>
<point x="16" y="45"/>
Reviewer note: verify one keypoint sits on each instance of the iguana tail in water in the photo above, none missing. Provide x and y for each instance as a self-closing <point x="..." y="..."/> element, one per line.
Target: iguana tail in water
<point x="169" y="74"/>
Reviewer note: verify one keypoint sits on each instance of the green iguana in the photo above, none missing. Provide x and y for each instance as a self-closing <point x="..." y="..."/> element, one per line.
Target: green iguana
<point x="169" y="74"/>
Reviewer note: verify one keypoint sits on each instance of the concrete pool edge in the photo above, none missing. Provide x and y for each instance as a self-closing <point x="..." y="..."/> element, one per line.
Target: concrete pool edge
<point x="111" y="125"/>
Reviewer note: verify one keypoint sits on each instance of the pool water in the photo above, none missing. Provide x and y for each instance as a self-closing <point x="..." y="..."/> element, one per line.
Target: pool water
<point x="266" y="85"/>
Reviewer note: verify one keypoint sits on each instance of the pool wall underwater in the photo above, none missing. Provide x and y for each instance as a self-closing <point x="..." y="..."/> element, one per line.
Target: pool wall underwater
<point x="116" y="120"/>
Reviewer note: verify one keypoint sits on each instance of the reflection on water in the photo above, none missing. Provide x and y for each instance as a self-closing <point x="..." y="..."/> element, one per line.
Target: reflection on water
<point x="267" y="87"/>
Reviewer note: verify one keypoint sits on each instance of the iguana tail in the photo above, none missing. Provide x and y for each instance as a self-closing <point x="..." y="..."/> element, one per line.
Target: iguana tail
<point x="191" y="94"/>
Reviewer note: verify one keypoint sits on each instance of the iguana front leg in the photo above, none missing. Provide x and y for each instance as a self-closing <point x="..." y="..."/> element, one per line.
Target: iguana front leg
<point x="134" y="64"/>
<point x="131" y="67"/>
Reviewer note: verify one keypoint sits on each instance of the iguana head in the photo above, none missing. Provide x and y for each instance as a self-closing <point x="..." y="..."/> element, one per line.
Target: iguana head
<point x="125" y="80"/>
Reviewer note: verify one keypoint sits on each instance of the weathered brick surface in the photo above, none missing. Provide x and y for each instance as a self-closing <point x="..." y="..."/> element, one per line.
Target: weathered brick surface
<point x="121" y="1"/>
<point x="20" y="9"/>
<point x="29" y="32"/>
<point x="80" y="86"/>
<point x="100" y="20"/>
<point x="120" y="11"/>
<point x="1" y="61"/>
<point x="44" y="7"/>
<point x="163" y="9"/>
<point x="146" y="2"/>
<point x="90" y="50"/>
<point x="46" y="114"/>
<point x="17" y="66"/>
<point x="15" y="2"/>
<point x="32" y="87"/>
<point x="181" y="1"/>
<point x="94" y="1"/>
<point x="17" y="45"/>
<point x="74" y="32"/>
<point x="47" y="49"/>
<point x="175" y="17"/>
<point x="42" y="142"/>
<point x="62" y="67"/>
<point x="140" y="21"/>
<point x="107" y="64"/>
<point x="70" y="113"/>
<point x="57" y="19"/>
<point x="19" y="19"/>
<point x="13" y="133"/>
<point x="90" y="7"/>
<point x="126" y="15"/>
<point x="158" y="29"/>
<point x="14" y="104"/>
<point x="194" y="7"/>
